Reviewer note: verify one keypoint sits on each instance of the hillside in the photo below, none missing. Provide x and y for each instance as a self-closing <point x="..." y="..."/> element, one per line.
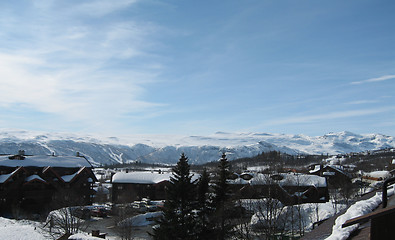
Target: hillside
<point x="200" y="149"/>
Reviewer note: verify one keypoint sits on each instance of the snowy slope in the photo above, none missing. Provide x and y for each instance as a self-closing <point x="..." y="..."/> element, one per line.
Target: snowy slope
<point x="199" y="149"/>
<point x="27" y="230"/>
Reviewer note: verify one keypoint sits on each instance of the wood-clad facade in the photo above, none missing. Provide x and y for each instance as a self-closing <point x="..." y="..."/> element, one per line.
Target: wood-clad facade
<point x="38" y="184"/>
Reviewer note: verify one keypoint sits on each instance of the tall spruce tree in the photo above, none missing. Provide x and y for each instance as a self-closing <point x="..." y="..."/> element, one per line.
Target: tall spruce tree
<point x="205" y="227"/>
<point x="222" y="198"/>
<point x="179" y="220"/>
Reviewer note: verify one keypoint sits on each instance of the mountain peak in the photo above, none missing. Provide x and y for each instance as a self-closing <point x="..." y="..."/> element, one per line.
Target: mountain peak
<point x="199" y="149"/>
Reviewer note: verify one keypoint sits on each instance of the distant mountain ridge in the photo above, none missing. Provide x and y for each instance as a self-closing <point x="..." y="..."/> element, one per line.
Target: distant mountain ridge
<point x="199" y="149"/>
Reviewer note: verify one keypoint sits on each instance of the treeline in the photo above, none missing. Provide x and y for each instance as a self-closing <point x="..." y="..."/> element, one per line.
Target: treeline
<point x="371" y="162"/>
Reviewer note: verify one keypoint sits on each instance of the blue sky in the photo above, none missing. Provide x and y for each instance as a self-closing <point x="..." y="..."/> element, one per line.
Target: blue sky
<point x="197" y="67"/>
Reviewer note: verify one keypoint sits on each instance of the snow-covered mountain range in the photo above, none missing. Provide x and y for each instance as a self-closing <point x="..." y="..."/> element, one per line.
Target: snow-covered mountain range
<point x="199" y="149"/>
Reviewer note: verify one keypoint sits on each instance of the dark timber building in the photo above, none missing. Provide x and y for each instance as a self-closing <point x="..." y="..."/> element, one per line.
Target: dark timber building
<point x="37" y="184"/>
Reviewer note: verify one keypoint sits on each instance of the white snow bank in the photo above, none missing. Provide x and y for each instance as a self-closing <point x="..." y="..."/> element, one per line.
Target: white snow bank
<point x="141" y="219"/>
<point x="19" y="230"/>
<point x="308" y="213"/>
<point x="379" y="174"/>
<point x="358" y="209"/>
<point x="83" y="236"/>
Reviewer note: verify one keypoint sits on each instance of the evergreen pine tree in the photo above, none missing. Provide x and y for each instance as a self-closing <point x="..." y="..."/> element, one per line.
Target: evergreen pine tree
<point x="179" y="220"/>
<point x="222" y="198"/>
<point x="205" y="228"/>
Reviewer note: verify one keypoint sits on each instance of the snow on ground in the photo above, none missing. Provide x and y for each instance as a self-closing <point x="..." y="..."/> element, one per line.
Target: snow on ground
<point x="308" y="213"/>
<point x="357" y="209"/>
<point x="83" y="236"/>
<point x="379" y="174"/>
<point x="20" y="230"/>
<point x="141" y="219"/>
<point x="11" y="229"/>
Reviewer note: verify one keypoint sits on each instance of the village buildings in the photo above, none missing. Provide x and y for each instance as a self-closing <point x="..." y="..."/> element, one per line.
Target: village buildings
<point x="132" y="186"/>
<point x="335" y="174"/>
<point x="37" y="184"/>
<point x="129" y="187"/>
<point x="289" y="188"/>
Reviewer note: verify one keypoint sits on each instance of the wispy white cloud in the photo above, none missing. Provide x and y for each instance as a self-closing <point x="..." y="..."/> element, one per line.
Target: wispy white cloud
<point x="378" y="79"/>
<point x="358" y="102"/>
<point x="103" y="7"/>
<point x="329" y="116"/>
<point x="67" y="69"/>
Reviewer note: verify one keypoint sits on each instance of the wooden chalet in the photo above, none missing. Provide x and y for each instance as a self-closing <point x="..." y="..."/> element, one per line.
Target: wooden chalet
<point x="132" y="186"/>
<point x="335" y="174"/>
<point x="37" y="184"/>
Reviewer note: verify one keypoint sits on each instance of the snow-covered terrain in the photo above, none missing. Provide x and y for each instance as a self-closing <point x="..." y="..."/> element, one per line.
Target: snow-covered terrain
<point x="359" y="208"/>
<point x="199" y="149"/>
<point x="27" y="230"/>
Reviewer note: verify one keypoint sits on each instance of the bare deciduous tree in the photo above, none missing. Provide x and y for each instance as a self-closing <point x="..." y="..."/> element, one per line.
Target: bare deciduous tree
<point x="65" y="220"/>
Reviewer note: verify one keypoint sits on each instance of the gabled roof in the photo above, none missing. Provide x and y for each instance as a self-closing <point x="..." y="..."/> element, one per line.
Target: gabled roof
<point x="338" y="169"/>
<point x="50" y="169"/>
<point x="6" y="177"/>
<point x="33" y="178"/>
<point x="74" y="176"/>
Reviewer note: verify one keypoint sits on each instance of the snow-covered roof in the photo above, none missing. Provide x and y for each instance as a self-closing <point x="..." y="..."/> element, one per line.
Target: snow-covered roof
<point x="238" y="181"/>
<point x="291" y="179"/>
<point x="144" y="177"/>
<point x="141" y="177"/>
<point x="34" y="177"/>
<point x="5" y="177"/>
<point x="357" y="209"/>
<point x="317" y="167"/>
<point x="69" y="178"/>
<point x="340" y="169"/>
<point x="45" y="161"/>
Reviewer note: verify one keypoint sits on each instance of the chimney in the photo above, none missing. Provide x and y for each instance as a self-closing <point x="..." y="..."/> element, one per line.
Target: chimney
<point x="19" y="156"/>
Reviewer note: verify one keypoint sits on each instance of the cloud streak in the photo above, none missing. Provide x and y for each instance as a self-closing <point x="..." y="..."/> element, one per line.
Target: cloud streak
<point x="67" y="69"/>
<point x="378" y="79"/>
<point x="329" y="116"/>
